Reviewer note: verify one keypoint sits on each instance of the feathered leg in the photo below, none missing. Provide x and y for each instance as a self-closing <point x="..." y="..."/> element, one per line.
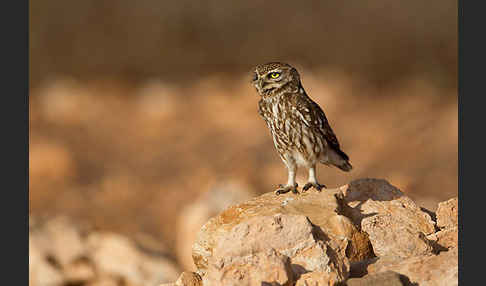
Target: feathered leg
<point x="312" y="182"/>
<point x="291" y="184"/>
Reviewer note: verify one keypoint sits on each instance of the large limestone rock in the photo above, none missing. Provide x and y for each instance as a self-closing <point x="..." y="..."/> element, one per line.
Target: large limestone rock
<point x="308" y="229"/>
<point x="313" y="238"/>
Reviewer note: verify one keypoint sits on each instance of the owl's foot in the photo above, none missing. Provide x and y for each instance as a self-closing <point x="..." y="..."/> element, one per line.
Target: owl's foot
<point x="287" y="188"/>
<point x="316" y="186"/>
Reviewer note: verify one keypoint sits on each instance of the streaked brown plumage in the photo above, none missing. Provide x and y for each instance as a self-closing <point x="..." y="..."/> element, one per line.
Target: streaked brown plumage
<point x="300" y="130"/>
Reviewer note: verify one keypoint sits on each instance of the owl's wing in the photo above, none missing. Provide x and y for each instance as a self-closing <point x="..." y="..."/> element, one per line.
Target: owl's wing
<point x="261" y="108"/>
<point x="263" y="111"/>
<point x="314" y="117"/>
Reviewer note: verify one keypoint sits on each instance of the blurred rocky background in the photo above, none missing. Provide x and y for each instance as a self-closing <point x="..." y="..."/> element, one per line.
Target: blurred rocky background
<point x="143" y="123"/>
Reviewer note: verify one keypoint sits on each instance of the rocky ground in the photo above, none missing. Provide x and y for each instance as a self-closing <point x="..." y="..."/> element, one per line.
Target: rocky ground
<point x="63" y="253"/>
<point x="367" y="232"/>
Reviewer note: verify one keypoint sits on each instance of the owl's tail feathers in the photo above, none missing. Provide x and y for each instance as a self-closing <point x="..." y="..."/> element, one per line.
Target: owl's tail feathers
<point x="346" y="167"/>
<point x="339" y="159"/>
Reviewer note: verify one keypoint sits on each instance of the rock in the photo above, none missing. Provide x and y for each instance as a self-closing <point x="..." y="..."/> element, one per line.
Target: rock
<point x="446" y="238"/>
<point x="189" y="279"/>
<point x="60" y="253"/>
<point x="446" y="217"/>
<point x="79" y="272"/>
<point x="118" y="256"/>
<point x="307" y="228"/>
<point x="41" y="272"/>
<point x="387" y="278"/>
<point x="389" y="237"/>
<point x="186" y="279"/>
<point x="321" y="234"/>
<point x="318" y="278"/>
<point x="359" y="247"/>
<point x="209" y="204"/>
<point x="263" y="268"/>
<point x="396" y="226"/>
<point x="359" y="268"/>
<point x="104" y="280"/>
<point x="53" y="238"/>
<point x="447" y="213"/>
<point x="447" y="221"/>
<point x="290" y="235"/>
<point x="426" y="270"/>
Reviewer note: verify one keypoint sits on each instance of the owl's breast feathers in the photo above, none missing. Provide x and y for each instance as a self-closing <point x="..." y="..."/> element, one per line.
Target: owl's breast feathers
<point x="298" y="106"/>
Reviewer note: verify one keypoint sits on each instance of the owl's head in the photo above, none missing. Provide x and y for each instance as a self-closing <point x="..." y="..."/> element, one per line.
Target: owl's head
<point x="271" y="78"/>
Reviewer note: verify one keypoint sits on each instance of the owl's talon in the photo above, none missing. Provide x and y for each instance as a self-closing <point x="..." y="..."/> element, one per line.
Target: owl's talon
<point x="285" y="189"/>
<point x="316" y="186"/>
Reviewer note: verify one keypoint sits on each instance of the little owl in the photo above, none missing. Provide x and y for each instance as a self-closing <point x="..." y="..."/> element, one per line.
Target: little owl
<point x="300" y="130"/>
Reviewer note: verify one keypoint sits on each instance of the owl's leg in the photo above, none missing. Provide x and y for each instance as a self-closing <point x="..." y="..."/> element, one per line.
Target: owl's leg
<point x="291" y="184"/>
<point x="312" y="182"/>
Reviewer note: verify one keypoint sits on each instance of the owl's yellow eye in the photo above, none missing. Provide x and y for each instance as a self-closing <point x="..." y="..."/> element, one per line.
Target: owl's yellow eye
<point x="275" y="75"/>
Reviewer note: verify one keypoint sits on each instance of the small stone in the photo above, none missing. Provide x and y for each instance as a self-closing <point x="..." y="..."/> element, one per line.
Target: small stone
<point x="189" y="279"/>
<point x="447" y="213"/>
<point x="446" y="238"/>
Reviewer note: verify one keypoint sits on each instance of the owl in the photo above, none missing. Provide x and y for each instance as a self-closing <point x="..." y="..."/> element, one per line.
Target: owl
<point x="300" y="130"/>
